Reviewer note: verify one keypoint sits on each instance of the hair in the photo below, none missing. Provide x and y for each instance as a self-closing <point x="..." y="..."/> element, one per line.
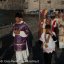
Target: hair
<point x="53" y="15"/>
<point x="19" y="15"/>
<point x="47" y="27"/>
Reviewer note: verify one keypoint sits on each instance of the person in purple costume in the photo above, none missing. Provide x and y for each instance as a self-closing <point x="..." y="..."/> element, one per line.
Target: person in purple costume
<point x="20" y="34"/>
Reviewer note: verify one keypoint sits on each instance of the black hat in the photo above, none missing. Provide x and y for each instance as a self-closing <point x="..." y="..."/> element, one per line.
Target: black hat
<point x="53" y="15"/>
<point x="19" y="15"/>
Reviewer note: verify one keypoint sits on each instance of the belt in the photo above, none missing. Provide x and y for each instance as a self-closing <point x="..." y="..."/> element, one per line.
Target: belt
<point x="21" y="44"/>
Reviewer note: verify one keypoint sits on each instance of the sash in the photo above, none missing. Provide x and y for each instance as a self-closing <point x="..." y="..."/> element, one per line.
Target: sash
<point x="46" y="41"/>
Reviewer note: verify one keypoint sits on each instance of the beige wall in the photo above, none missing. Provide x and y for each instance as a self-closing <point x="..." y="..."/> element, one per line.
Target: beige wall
<point x="32" y="5"/>
<point x="55" y="4"/>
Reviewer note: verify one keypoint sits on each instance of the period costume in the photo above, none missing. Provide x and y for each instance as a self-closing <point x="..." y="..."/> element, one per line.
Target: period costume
<point x="20" y="42"/>
<point x="61" y="33"/>
<point x="61" y="26"/>
<point x="42" y="21"/>
<point x="54" y="24"/>
<point x="42" y="27"/>
<point x="48" y="46"/>
<point x="55" y="28"/>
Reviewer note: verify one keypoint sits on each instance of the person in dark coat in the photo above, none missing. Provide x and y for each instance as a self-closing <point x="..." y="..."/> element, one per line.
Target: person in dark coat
<point x="20" y="34"/>
<point x="38" y="53"/>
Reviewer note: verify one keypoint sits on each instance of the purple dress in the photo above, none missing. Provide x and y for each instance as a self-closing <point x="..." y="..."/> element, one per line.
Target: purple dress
<point x="19" y="39"/>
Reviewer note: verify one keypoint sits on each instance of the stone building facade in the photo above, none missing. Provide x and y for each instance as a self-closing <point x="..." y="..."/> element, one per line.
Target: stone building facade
<point x="11" y="4"/>
<point x="30" y="5"/>
<point x="49" y="4"/>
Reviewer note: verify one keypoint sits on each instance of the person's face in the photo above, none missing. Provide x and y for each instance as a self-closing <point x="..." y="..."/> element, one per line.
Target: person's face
<point x="45" y="13"/>
<point x="59" y="15"/>
<point x="17" y="19"/>
<point x="48" y="21"/>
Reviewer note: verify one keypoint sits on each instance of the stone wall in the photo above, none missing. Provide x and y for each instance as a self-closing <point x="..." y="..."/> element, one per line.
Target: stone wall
<point x="49" y="4"/>
<point x="18" y="4"/>
<point x="11" y="4"/>
<point x="52" y="4"/>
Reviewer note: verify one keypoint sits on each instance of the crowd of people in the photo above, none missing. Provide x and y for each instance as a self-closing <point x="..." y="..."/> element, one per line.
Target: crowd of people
<point x="50" y="26"/>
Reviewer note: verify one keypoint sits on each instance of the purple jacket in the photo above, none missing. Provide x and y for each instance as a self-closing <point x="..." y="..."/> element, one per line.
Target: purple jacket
<point x="19" y="41"/>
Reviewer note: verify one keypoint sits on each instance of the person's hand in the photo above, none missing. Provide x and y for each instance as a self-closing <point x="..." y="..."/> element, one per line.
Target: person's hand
<point x="46" y="45"/>
<point x="50" y="32"/>
<point x="17" y="32"/>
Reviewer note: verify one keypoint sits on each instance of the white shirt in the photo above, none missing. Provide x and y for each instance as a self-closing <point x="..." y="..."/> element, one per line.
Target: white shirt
<point x="22" y="33"/>
<point x="51" y="43"/>
<point x="44" y="23"/>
